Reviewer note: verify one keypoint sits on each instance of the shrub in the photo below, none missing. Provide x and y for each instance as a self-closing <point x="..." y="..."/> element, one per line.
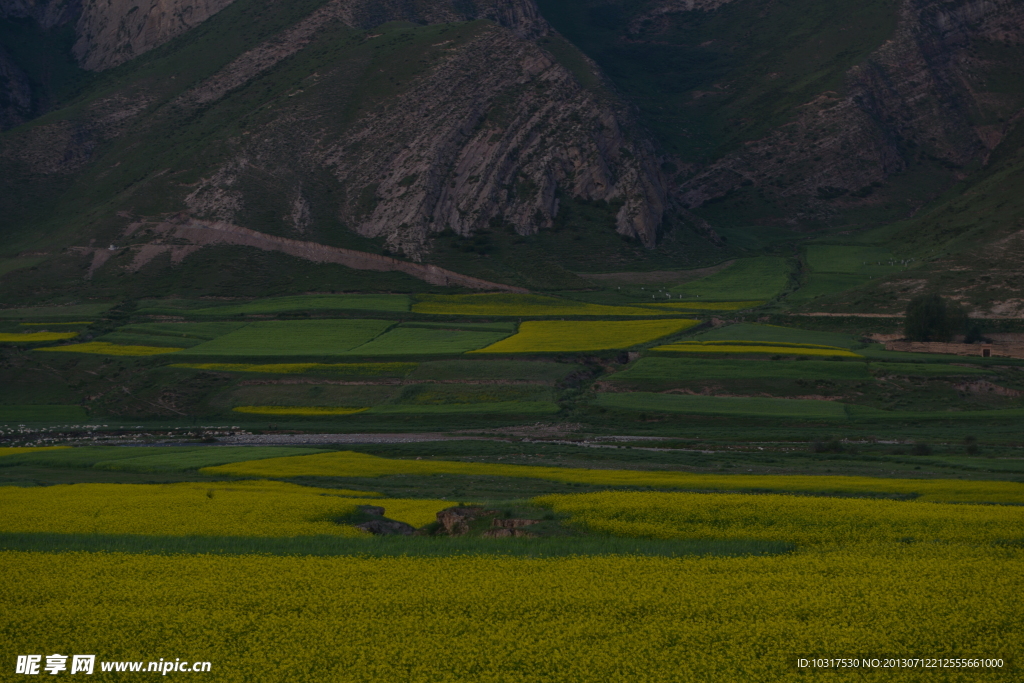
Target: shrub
<point x="932" y="318"/>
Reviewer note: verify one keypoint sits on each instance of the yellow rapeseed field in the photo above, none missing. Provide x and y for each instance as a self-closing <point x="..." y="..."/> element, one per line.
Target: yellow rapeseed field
<point x="516" y="305"/>
<point x="108" y="349"/>
<point x="367" y="369"/>
<point x="773" y="348"/>
<point x="36" y="336"/>
<point x="297" y="410"/>
<point x="8" y="450"/>
<point x="354" y="464"/>
<point x="521" y="620"/>
<point x="246" y="508"/>
<point x="537" y="336"/>
<point x="800" y="519"/>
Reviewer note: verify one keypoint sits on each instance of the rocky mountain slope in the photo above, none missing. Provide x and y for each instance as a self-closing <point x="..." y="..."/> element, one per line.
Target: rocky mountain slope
<point x="315" y="125"/>
<point x="410" y="128"/>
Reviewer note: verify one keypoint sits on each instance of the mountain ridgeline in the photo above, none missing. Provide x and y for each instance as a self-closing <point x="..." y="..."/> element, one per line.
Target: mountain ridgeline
<point x="140" y="133"/>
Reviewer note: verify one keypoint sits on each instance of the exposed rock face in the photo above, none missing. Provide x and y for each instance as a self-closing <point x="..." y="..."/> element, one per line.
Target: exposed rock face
<point x="387" y="527"/>
<point x="47" y="13"/>
<point x="921" y="94"/>
<point x="15" y="93"/>
<point x="110" y="32"/>
<point x="455" y="521"/>
<point x="493" y="131"/>
<point x="489" y="131"/>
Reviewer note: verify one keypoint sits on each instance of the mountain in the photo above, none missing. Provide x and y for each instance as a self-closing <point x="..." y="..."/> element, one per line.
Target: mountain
<point x="502" y="140"/>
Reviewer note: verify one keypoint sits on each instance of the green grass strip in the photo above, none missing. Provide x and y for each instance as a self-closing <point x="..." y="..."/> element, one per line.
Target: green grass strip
<point x="382" y="546"/>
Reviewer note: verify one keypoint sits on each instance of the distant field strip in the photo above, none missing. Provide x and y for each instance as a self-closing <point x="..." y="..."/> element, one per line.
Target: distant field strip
<point x="666" y="368"/>
<point x="662" y="368"/>
<point x="18" y="450"/>
<point x="148" y="458"/>
<point x="57" y="312"/>
<point x="350" y="369"/>
<point x="747" y="279"/>
<point x="723" y="405"/>
<point x="108" y="349"/>
<point x="31" y="337"/>
<point x="775" y="334"/>
<point x="297" y="410"/>
<point x="705" y="305"/>
<point x="77" y="322"/>
<point x="293" y="338"/>
<point x="413" y="341"/>
<point x="203" y="331"/>
<point x="485" y="408"/>
<point x="392" y="303"/>
<point x="517" y="305"/>
<point x="42" y="413"/>
<point x="539" y="336"/>
<point x="775" y="349"/>
<point x="354" y="464"/>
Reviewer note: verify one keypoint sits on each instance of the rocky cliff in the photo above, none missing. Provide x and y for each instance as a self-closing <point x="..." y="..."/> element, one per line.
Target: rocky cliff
<point x="935" y="92"/>
<point x="471" y="117"/>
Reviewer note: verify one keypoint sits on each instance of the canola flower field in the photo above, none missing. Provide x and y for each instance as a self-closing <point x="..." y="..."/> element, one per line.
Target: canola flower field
<point x="32" y="337"/>
<point x="541" y="336"/>
<point x="746" y="347"/>
<point x="108" y="349"/>
<point x="355" y="464"/>
<point x="297" y="410"/>
<point x="246" y="508"/>
<point x="805" y="520"/>
<point x="571" y="619"/>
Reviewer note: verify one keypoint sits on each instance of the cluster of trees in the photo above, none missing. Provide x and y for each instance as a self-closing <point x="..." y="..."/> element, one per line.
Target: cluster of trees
<point x="933" y="318"/>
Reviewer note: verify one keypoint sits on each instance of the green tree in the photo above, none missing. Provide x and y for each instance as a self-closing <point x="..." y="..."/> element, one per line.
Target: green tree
<point x="932" y="318"/>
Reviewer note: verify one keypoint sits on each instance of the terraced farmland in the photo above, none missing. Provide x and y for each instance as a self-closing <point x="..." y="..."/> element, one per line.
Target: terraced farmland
<point x="518" y="306"/>
<point x="293" y="338"/>
<point x="544" y="336"/>
<point x="742" y="347"/>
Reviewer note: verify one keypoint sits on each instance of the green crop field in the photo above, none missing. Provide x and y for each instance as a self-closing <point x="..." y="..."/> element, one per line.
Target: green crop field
<point x="420" y="340"/>
<point x="749" y="279"/>
<point x="653" y="368"/>
<point x="45" y="413"/>
<point x="330" y="369"/>
<point x="392" y="303"/>
<point x="137" y="339"/>
<point x="202" y="331"/>
<point x="519" y="305"/>
<point x="293" y="338"/>
<point x="715" y="405"/>
<point x="497" y="408"/>
<point x="774" y="333"/>
<point x="155" y="459"/>
<point x="77" y="312"/>
<point x="545" y="336"/>
<point x="485" y="369"/>
<point x="823" y="284"/>
<point x="868" y="261"/>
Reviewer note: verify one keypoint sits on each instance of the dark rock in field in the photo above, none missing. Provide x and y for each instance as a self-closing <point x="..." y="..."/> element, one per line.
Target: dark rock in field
<point x="455" y="521"/>
<point x="508" y="533"/>
<point x="513" y="523"/>
<point x="375" y="510"/>
<point x="387" y="527"/>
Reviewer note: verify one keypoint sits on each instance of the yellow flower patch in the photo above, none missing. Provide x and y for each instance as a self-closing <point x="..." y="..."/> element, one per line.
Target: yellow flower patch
<point x="108" y="349"/>
<point x="36" y="336"/>
<point x="297" y="410"/>
<point x="539" y="336"/>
